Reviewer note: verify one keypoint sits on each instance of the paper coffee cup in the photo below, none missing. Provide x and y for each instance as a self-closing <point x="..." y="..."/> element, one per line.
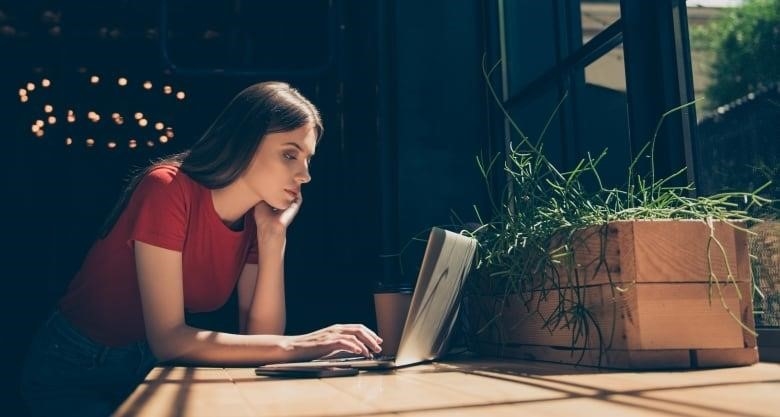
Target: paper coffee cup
<point x="391" y="307"/>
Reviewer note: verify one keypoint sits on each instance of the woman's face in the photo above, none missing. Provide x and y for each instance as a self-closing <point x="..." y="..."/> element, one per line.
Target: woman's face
<point x="281" y="165"/>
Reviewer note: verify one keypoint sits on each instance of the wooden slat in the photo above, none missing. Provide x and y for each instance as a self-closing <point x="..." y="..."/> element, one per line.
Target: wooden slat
<point x="678" y="253"/>
<point x="188" y="392"/>
<point x="647" y="316"/>
<point x="476" y="387"/>
<point x="628" y="359"/>
<point x="684" y="316"/>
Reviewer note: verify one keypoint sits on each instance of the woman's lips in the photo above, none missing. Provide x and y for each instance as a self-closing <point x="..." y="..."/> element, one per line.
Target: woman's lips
<point x="292" y="194"/>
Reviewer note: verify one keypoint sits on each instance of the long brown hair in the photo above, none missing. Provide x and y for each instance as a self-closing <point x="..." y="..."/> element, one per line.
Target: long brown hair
<point x="224" y="151"/>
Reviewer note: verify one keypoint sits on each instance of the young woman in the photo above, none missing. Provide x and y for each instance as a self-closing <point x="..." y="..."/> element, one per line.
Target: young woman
<point x="188" y="230"/>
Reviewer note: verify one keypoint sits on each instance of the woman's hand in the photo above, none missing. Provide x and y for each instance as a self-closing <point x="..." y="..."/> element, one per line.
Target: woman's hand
<point x="354" y="338"/>
<point x="269" y="219"/>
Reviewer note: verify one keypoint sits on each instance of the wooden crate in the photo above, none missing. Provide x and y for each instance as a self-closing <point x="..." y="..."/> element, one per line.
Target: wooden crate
<point x="651" y="302"/>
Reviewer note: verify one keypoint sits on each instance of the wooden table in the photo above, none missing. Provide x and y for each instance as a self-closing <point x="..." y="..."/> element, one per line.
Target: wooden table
<point x="479" y="387"/>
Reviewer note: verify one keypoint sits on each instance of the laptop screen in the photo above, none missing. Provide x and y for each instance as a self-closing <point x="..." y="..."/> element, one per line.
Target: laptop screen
<point x="435" y="302"/>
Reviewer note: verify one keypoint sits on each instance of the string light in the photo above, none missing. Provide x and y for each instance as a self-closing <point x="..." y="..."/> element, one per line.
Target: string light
<point x="45" y="122"/>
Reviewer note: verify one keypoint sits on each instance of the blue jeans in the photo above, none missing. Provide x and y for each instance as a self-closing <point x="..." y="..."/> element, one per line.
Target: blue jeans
<point x="66" y="373"/>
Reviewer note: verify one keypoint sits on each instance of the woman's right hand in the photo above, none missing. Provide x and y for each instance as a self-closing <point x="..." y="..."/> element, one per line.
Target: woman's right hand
<point x="354" y="338"/>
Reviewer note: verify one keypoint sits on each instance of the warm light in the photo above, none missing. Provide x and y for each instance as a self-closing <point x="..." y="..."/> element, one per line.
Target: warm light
<point x="52" y="111"/>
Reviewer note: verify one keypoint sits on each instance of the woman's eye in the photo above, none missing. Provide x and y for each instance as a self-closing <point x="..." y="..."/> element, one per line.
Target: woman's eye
<point x="288" y="156"/>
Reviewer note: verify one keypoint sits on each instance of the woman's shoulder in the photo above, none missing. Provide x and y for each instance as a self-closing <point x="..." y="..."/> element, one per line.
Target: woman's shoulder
<point x="168" y="178"/>
<point x="164" y="174"/>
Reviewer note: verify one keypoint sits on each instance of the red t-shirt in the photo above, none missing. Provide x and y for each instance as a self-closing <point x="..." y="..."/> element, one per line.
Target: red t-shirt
<point x="169" y="210"/>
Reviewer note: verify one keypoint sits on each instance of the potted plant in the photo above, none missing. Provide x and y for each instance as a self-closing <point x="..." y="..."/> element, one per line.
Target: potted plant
<point x="639" y="277"/>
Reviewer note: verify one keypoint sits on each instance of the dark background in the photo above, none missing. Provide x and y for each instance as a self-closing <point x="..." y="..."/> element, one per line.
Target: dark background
<point x="398" y="84"/>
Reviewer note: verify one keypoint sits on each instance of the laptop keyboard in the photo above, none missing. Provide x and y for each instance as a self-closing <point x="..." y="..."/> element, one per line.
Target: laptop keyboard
<point x="361" y="358"/>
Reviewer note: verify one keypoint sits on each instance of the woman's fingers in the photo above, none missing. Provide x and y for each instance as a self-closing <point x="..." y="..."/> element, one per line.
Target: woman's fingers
<point x="354" y="338"/>
<point x="364" y="335"/>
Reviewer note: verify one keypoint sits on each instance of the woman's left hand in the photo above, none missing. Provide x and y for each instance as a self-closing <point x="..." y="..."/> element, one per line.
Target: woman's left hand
<point x="269" y="219"/>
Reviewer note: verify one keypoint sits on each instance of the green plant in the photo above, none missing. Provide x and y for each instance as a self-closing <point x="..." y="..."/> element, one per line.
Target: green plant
<point x="744" y="47"/>
<point x="528" y="240"/>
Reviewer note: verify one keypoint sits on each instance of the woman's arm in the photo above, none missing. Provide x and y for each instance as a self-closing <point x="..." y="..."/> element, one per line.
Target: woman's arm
<point x="170" y="338"/>
<point x="261" y="290"/>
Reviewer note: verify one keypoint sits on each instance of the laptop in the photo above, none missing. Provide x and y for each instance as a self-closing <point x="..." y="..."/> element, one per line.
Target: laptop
<point x="432" y="311"/>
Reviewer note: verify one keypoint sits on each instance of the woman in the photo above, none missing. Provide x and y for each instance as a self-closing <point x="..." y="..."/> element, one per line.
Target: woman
<point x="187" y="231"/>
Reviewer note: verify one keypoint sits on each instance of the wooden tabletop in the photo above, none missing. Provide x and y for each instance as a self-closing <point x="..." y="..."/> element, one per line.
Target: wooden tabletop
<point x="478" y="387"/>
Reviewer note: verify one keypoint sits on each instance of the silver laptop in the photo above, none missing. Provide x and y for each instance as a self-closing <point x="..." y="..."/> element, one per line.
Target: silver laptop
<point x="432" y="312"/>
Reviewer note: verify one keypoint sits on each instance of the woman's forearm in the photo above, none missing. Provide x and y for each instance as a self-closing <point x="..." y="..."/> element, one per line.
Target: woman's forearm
<point x="266" y="313"/>
<point x="189" y="344"/>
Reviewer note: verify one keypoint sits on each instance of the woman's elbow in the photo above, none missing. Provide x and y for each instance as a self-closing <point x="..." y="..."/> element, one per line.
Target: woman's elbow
<point x="164" y="346"/>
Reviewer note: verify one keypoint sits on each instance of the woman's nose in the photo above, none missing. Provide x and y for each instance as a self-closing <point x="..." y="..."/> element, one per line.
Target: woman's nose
<point x="303" y="177"/>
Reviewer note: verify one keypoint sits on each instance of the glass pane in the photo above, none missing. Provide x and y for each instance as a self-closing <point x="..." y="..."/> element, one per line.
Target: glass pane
<point x="608" y="71"/>
<point x="603" y="121"/>
<point x="596" y="16"/>
<point x="735" y="70"/>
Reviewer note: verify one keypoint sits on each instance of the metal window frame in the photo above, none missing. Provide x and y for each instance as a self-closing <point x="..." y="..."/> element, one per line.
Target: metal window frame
<point x="658" y="77"/>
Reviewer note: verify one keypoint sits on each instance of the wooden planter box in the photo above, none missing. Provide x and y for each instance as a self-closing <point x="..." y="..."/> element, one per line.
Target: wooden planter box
<point x="652" y="306"/>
